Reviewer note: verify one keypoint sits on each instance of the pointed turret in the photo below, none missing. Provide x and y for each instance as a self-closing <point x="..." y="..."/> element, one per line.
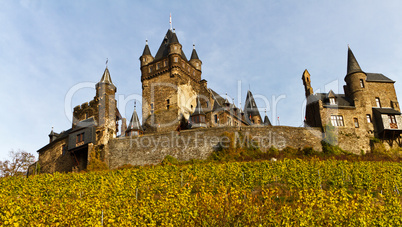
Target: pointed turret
<point x="353" y="65"/>
<point x="198" y="116"/>
<point x="134" y="128"/>
<point x="355" y="80"/>
<point x="105" y="94"/>
<point x="251" y="110"/>
<point x="267" y="122"/>
<point x="106" y="77"/>
<point x="194" y="60"/>
<point x="146" y="56"/>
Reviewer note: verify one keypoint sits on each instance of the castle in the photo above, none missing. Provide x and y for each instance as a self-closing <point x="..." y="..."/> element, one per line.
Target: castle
<point x="182" y="117"/>
<point x="369" y="108"/>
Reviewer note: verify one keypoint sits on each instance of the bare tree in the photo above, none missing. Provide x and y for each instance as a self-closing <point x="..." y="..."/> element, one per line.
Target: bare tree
<point x="17" y="165"/>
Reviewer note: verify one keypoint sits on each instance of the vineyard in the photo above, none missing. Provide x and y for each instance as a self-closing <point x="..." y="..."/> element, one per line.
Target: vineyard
<point x="287" y="192"/>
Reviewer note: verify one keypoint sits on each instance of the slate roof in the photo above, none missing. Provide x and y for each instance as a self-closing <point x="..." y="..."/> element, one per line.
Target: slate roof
<point x="194" y="54"/>
<point x="378" y="77"/>
<point x="250" y="107"/>
<point x="340" y="99"/>
<point x="163" y="51"/>
<point x="134" y="123"/>
<point x="146" y="51"/>
<point x="353" y="65"/>
<point x="198" y="109"/>
<point x="267" y="121"/>
<point x="386" y="111"/>
<point x="87" y="122"/>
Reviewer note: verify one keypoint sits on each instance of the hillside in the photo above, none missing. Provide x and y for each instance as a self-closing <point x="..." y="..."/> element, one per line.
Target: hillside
<point x="289" y="191"/>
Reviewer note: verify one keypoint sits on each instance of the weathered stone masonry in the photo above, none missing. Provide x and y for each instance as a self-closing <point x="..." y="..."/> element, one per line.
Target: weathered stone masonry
<point x="200" y="143"/>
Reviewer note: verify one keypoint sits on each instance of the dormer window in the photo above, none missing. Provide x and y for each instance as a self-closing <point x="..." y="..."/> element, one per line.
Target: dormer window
<point x="361" y="83"/>
<point x="157" y="66"/>
<point x="165" y="63"/>
<point x="332" y="101"/>
<point x="176" y="59"/>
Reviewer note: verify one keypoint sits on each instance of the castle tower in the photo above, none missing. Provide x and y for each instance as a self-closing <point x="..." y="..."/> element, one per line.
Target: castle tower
<point x="307" y="83"/>
<point x="251" y="110"/>
<point x="194" y="60"/>
<point x="105" y="95"/>
<point x="146" y="56"/>
<point x="170" y="84"/>
<point x="355" y="79"/>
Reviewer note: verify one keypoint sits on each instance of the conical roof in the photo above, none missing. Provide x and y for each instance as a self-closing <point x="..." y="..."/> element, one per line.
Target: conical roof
<point x="106" y="77"/>
<point x="267" y="121"/>
<point x="163" y="50"/>
<point x="353" y="65"/>
<point x="250" y="107"/>
<point x="198" y="109"/>
<point x="134" y="122"/>
<point x="146" y="50"/>
<point x="194" y="54"/>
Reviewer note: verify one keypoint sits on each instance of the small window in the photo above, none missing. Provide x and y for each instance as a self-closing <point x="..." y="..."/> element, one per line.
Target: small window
<point x="157" y="66"/>
<point x="368" y="118"/>
<point x="207" y="104"/>
<point x="150" y="69"/>
<point x="80" y="138"/>
<point x="191" y="107"/>
<point x="392" y="122"/>
<point x="167" y="104"/>
<point x="152" y="108"/>
<point x="377" y="102"/>
<point x="216" y="118"/>
<point x="175" y="47"/>
<point x="144" y="59"/>
<point x="361" y="83"/>
<point x="229" y="121"/>
<point x="356" y="122"/>
<point x="165" y="63"/>
<point x="176" y="59"/>
<point x="337" y="120"/>
<point x="332" y="101"/>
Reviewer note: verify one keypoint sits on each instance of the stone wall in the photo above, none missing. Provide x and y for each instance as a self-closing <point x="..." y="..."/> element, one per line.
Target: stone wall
<point x="52" y="159"/>
<point x="199" y="143"/>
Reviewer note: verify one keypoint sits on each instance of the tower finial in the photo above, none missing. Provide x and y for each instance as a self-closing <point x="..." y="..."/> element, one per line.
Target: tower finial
<point x="170" y="21"/>
<point x="146" y="42"/>
<point x="107" y="60"/>
<point x="193" y="46"/>
<point x="135" y="104"/>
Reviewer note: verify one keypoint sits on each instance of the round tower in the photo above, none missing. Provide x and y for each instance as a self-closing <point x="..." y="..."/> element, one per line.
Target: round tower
<point x="194" y="60"/>
<point x="355" y="79"/>
<point x="146" y="56"/>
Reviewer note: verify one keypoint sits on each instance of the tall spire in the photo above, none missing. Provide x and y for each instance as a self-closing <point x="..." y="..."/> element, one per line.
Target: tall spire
<point x="353" y="65"/>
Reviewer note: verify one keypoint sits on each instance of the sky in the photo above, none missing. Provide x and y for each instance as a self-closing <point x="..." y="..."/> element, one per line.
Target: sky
<point x="53" y="53"/>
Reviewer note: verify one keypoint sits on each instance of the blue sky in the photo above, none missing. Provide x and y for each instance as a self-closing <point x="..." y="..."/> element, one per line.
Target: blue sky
<point x="51" y="47"/>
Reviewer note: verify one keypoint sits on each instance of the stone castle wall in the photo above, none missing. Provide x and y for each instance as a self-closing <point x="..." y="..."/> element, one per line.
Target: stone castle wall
<point x="200" y="143"/>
